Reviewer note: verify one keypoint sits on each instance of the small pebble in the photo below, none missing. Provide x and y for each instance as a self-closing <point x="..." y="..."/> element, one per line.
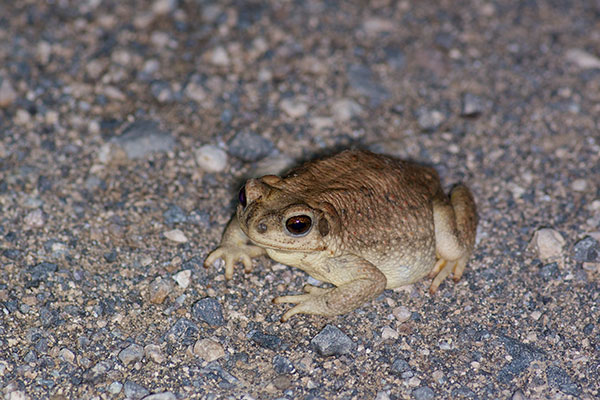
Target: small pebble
<point x="143" y="137"/>
<point x="176" y="235"/>
<point x="271" y="342"/>
<point x="282" y="382"/>
<point x="389" y="333"/>
<point x="211" y="158"/>
<point x="331" y="341"/>
<point x="209" y="350"/>
<point x="282" y="365"/>
<point x="293" y="108"/>
<point x="587" y="250"/>
<point x="209" y="310"/>
<point x="548" y="243"/>
<point x="345" y="109"/>
<point x="159" y="290"/>
<point x="131" y="354"/>
<point x="402" y="313"/>
<point x="472" y="105"/>
<point x="183" y="278"/>
<point x="430" y="120"/>
<point x="423" y="393"/>
<point x="134" y="391"/>
<point x="66" y="355"/>
<point x="154" y="353"/>
<point x="382" y="396"/>
<point x="161" y="396"/>
<point x="219" y="57"/>
<point x="162" y="7"/>
<point x="579" y="185"/>
<point x="249" y="146"/>
<point x="7" y="94"/>
<point x="115" y="388"/>
<point x="583" y="59"/>
<point x="34" y="219"/>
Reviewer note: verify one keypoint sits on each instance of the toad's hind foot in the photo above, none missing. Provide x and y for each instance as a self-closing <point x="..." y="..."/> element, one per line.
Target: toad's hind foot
<point x="443" y="268"/>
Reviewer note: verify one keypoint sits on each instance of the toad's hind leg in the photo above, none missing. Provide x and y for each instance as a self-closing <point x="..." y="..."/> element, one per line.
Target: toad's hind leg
<point x="455" y="227"/>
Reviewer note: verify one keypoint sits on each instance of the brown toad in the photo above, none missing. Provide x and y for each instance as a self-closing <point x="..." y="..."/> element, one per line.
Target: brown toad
<point x="361" y="221"/>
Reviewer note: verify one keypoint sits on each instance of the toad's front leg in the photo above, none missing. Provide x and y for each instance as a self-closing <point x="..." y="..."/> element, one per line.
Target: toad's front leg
<point x="357" y="280"/>
<point x="234" y="247"/>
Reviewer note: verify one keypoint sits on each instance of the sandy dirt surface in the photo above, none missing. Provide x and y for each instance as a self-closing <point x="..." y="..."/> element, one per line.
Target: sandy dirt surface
<point x="126" y="129"/>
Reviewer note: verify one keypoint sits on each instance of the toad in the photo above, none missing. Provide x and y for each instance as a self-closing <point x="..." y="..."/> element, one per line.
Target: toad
<point x="361" y="221"/>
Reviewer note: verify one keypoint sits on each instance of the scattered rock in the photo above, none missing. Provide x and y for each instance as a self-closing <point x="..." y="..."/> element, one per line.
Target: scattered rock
<point x="209" y="350"/>
<point x="583" y="59"/>
<point x="219" y="57"/>
<point x="115" y="388"/>
<point x="134" y="391"/>
<point x="209" y="310"/>
<point x="363" y="81"/>
<point x="331" y="341"/>
<point x="211" y="158"/>
<point x="176" y="235"/>
<point x="400" y="366"/>
<point x="293" y="108"/>
<point x="472" y="105"/>
<point x="183" y="278"/>
<point x="131" y="354"/>
<point x="67" y="355"/>
<point x="34" y="219"/>
<point x="153" y="352"/>
<point x="275" y="164"/>
<point x="282" y="382"/>
<point x="579" y="185"/>
<point x="430" y="120"/>
<point x="161" y="396"/>
<point x="558" y="378"/>
<point x="548" y="244"/>
<point x="159" y="290"/>
<point x="143" y="137"/>
<point x="162" y="7"/>
<point x="423" y="393"/>
<point x="174" y="215"/>
<point x="7" y="94"/>
<point x="345" y="109"/>
<point x="271" y="342"/>
<point x="183" y="331"/>
<point x="587" y="250"/>
<point x="249" y="146"/>
<point x="402" y="313"/>
<point x="282" y="365"/>
<point x="389" y="333"/>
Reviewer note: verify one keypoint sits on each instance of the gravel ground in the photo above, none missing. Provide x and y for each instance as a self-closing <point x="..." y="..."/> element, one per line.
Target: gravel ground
<point x="127" y="127"/>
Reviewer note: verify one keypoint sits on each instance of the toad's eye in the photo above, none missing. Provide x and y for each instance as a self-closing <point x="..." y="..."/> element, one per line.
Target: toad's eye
<point x="298" y="225"/>
<point x="242" y="196"/>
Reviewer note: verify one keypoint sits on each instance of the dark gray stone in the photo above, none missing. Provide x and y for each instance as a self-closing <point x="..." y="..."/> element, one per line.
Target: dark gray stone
<point x="97" y="372"/>
<point x="332" y="341"/>
<point x="174" y="215"/>
<point x="472" y="105"/>
<point x="143" y="137"/>
<point x="282" y="365"/>
<point x="400" y="366"/>
<point x="209" y="310"/>
<point x="558" y="378"/>
<point x="183" y="331"/>
<point x="549" y="271"/>
<point x="363" y="81"/>
<point x="423" y="393"/>
<point x="134" y="391"/>
<point x="267" y="341"/>
<point x="131" y="354"/>
<point x="587" y="250"/>
<point x="249" y="146"/>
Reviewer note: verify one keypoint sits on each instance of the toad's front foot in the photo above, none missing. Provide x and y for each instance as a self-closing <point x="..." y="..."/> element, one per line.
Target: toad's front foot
<point x="314" y="301"/>
<point x="232" y="254"/>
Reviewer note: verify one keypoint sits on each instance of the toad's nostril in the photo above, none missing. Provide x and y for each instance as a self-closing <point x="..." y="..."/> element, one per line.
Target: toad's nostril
<point x="261" y="228"/>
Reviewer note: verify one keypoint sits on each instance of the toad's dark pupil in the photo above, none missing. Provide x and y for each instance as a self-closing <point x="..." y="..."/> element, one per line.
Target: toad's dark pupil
<point x="298" y="225"/>
<point x="242" y="196"/>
